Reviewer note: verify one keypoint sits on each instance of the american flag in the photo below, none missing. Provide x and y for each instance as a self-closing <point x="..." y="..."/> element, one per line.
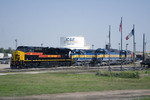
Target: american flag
<point x="120" y="27"/>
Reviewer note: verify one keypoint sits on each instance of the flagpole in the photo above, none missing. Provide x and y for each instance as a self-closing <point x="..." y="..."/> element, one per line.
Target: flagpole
<point x="134" y="46"/>
<point x="109" y="48"/>
<point x="121" y="43"/>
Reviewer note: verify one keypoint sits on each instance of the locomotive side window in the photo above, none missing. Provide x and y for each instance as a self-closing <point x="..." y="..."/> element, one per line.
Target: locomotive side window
<point x="38" y="49"/>
<point x="30" y="49"/>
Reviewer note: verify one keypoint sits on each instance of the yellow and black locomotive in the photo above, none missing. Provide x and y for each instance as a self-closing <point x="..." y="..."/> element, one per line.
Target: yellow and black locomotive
<point x="30" y="57"/>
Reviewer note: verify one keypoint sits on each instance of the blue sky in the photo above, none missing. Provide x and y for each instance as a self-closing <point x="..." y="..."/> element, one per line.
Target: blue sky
<point x="33" y="22"/>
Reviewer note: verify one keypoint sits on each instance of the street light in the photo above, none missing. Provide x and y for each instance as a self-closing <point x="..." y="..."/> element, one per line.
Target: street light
<point x="16" y="43"/>
<point x="41" y="44"/>
<point x="92" y="46"/>
<point x="119" y="45"/>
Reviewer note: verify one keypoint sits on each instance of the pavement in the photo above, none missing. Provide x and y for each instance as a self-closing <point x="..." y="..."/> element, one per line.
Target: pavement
<point x="4" y="66"/>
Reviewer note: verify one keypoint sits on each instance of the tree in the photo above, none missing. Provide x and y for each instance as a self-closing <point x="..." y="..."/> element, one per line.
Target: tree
<point x="9" y="50"/>
<point x="1" y="50"/>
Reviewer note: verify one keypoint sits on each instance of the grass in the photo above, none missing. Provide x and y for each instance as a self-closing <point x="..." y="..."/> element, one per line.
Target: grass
<point x="50" y="83"/>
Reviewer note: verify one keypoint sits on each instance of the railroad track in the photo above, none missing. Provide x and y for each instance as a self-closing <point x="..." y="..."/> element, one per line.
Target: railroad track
<point x="74" y="68"/>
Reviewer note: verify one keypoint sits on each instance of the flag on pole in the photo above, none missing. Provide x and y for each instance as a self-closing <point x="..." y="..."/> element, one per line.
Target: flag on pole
<point x="120" y="30"/>
<point x="130" y="34"/>
<point x="120" y="27"/>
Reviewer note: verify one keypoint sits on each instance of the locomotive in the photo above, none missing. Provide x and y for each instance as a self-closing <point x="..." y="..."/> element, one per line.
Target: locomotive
<point x="116" y="57"/>
<point x="83" y="57"/>
<point x="31" y="57"/>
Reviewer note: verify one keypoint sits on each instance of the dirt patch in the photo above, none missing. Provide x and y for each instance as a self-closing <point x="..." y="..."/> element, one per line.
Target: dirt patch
<point x="105" y="95"/>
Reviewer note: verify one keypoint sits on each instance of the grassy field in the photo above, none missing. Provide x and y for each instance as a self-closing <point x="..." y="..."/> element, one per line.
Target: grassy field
<point x="50" y="83"/>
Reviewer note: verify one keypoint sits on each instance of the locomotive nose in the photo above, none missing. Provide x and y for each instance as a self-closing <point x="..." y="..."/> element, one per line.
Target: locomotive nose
<point x="16" y="55"/>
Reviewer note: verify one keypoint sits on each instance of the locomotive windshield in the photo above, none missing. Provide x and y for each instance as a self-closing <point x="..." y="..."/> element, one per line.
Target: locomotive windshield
<point x="100" y="51"/>
<point x="123" y="52"/>
<point x="25" y="49"/>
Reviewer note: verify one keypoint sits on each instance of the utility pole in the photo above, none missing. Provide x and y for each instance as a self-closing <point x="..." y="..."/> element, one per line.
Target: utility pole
<point x="143" y="47"/>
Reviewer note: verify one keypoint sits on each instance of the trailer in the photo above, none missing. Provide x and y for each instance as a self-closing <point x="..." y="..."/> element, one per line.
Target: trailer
<point x="146" y="62"/>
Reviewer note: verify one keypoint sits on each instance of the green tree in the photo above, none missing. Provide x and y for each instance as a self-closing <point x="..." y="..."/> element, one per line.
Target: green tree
<point x="1" y="50"/>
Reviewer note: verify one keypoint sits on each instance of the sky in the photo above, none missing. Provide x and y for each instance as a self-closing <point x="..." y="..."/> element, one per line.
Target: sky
<point x="33" y="22"/>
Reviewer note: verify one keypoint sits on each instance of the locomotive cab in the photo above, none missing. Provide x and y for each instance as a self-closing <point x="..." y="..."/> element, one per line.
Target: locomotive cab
<point x="100" y="54"/>
<point x="18" y="57"/>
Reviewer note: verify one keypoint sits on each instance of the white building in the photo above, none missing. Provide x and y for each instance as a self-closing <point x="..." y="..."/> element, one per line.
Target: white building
<point x="5" y="55"/>
<point x="1" y="55"/>
<point x="73" y="42"/>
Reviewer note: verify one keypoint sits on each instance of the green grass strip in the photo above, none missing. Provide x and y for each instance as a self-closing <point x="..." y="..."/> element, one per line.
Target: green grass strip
<point x="51" y="83"/>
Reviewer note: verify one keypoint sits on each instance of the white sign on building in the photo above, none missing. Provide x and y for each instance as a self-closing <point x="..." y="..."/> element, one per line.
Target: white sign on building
<point x="73" y="42"/>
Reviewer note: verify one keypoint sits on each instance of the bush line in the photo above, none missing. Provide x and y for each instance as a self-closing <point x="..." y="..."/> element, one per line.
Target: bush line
<point x="122" y="74"/>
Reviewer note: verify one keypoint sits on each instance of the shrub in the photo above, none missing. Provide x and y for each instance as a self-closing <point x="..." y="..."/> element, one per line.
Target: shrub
<point x="122" y="74"/>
